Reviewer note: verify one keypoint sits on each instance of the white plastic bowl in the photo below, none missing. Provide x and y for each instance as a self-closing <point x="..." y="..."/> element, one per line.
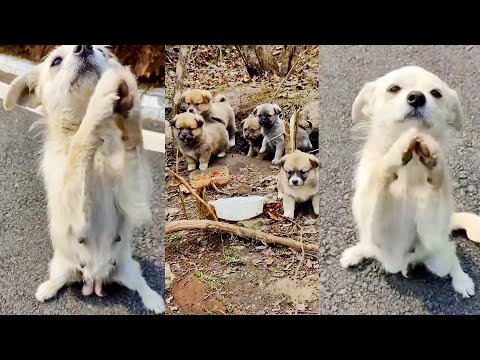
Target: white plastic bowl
<point x="238" y="208"/>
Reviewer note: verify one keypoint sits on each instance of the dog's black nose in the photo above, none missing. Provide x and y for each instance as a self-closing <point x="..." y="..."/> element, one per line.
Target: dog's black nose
<point x="83" y="50"/>
<point x="294" y="181"/>
<point x="190" y="110"/>
<point x="416" y="99"/>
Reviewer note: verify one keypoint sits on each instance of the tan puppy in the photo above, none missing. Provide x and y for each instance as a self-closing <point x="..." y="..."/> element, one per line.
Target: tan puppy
<point x="403" y="203"/>
<point x="199" y="140"/>
<point x="298" y="181"/>
<point x="97" y="179"/>
<point x="212" y="109"/>
<point x="252" y="132"/>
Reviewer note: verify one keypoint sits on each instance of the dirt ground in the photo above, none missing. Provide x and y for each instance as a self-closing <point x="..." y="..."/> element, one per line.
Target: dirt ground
<point x="220" y="273"/>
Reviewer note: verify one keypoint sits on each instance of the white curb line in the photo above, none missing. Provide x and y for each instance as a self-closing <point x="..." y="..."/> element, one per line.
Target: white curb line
<point x="151" y="106"/>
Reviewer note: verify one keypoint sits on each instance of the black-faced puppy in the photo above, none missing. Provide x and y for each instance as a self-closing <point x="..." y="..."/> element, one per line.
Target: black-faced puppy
<point x="252" y="132"/>
<point x="212" y="109"/>
<point x="298" y="181"/>
<point x="199" y="140"/>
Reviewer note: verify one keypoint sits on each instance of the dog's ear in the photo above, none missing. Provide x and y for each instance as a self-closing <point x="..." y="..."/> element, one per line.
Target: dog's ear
<point x="282" y="160"/>
<point x="173" y="120"/>
<point x="361" y="109"/>
<point x="207" y="96"/>
<point x="183" y="96"/>
<point x="456" y="119"/>
<point x="242" y="122"/>
<point x="314" y="161"/>
<point x="24" y="91"/>
<point x="255" y="111"/>
<point x="200" y="120"/>
<point x="277" y="110"/>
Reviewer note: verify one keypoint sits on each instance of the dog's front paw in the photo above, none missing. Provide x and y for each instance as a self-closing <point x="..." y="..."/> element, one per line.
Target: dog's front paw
<point x="221" y="155"/>
<point x="408" y="152"/>
<point x="351" y="256"/>
<point x="192" y="167"/>
<point x="280" y="195"/>
<point x="203" y="166"/>
<point x="154" y="302"/>
<point x="231" y="142"/>
<point x="46" y="291"/>
<point x="275" y="161"/>
<point x="463" y="284"/>
<point x="125" y="100"/>
<point x="427" y="150"/>
<point x="289" y="214"/>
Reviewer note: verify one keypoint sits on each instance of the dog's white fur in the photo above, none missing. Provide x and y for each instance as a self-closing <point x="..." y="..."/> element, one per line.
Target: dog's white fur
<point x="98" y="185"/>
<point x="402" y="207"/>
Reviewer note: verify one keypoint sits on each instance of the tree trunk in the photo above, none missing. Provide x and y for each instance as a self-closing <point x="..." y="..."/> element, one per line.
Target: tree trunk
<point x="180" y="76"/>
<point x="266" y="59"/>
<point x="258" y="59"/>
<point x="289" y="57"/>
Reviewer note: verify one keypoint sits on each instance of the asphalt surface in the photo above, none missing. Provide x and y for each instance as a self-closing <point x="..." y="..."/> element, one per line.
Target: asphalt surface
<point x="25" y="248"/>
<point x="366" y="289"/>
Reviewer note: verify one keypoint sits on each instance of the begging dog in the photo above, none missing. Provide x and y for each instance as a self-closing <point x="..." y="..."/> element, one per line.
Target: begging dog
<point x="270" y="118"/>
<point x="97" y="179"/>
<point x="215" y="109"/>
<point x="198" y="140"/>
<point x="252" y="132"/>
<point x="403" y="202"/>
<point x="298" y="181"/>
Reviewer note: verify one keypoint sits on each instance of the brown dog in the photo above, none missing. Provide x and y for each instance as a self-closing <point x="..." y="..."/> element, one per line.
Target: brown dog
<point x="199" y="140"/>
<point x="252" y="132"/>
<point x="212" y="109"/>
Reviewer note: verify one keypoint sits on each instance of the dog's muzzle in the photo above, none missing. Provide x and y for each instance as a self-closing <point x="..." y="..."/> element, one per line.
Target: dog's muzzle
<point x="295" y="181"/>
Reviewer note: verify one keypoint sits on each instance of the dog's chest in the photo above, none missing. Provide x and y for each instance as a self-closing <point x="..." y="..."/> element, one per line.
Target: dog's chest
<point x="411" y="182"/>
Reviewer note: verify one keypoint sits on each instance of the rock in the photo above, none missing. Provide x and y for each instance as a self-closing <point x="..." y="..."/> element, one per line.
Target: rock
<point x="254" y="224"/>
<point x="244" y="189"/>
<point x="311" y="112"/>
<point x="472" y="189"/>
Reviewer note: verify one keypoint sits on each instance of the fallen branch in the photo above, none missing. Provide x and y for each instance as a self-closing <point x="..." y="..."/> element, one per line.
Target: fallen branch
<point x="193" y="192"/>
<point x="181" y="225"/>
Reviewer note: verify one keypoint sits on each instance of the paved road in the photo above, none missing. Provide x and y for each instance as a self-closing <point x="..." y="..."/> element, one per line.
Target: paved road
<point x="25" y="248"/>
<point x="343" y="71"/>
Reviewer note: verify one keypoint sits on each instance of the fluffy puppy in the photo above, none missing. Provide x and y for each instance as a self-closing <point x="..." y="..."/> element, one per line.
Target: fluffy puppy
<point x="252" y="132"/>
<point x="212" y="109"/>
<point x="403" y="203"/>
<point x="98" y="182"/>
<point x="199" y="140"/>
<point x="270" y="118"/>
<point x="298" y="181"/>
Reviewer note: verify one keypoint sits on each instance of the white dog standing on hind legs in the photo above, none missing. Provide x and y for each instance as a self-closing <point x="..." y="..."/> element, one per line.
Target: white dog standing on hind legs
<point x="403" y="203"/>
<point x="97" y="179"/>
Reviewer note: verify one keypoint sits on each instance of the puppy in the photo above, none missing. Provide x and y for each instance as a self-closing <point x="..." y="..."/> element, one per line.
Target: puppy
<point x="212" y="109"/>
<point x="199" y="140"/>
<point x="403" y="203"/>
<point x="97" y="179"/>
<point x="270" y="118"/>
<point x="298" y="181"/>
<point x="252" y="132"/>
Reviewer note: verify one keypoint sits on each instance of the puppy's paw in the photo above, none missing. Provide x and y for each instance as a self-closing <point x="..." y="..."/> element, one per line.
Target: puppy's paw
<point x="289" y="213"/>
<point x="125" y="99"/>
<point x="463" y="284"/>
<point x="231" y="142"/>
<point x="275" y="161"/>
<point x="203" y="166"/>
<point x="87" y="289"/>
<point x="408" y="152"/>
<point x="154" y="302"/>
<point x="221" y="155"/>
<point x="280" y="195"/>
<point x="46" y="291"/>
<point x="351" y="256"/>
<point x="427" y="150"/>
<point x="192" y="167"/>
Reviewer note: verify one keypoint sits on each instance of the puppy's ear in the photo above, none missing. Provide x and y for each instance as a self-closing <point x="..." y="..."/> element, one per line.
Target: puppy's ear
<point x="200" y="121"/>
<point x="173" y="120"/>
<point x="242" y="122"/>
<point x="277" y="110"/>
<point x="282" y="161"/>
<point x="24" y="91"/>
<point x="255" y="111"/>
<point x="207" y="96"/>
<point x="314" y="161"/>
<point x="361" y="109"/>
<point x="183" y="96"/>
<point x="456" y="119"/>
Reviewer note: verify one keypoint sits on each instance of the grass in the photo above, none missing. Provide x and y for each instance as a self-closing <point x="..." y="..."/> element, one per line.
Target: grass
<point x="209" y="280"/>
<point x="232" y="258"/>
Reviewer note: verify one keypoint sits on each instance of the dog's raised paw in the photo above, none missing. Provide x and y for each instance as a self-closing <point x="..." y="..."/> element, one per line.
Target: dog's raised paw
<point x="351" y="257"/>
<point x="154" y="302"/>
<point x="125" y="99"/>
<point x="464" y="285"/>
<point x="408" y="153"/>
<point x="46" y="291"/>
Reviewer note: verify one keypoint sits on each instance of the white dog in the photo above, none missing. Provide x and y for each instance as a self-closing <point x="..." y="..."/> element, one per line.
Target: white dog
<point x="403" y="203"/>
<point x="97" y="179"/>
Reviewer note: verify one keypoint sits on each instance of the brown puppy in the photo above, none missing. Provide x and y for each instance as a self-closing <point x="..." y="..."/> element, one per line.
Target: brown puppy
<point x="252" y="132"/>
<point x="212" y="109"/>
<point x="298" y="181"/>
<point x="198" y="140"/>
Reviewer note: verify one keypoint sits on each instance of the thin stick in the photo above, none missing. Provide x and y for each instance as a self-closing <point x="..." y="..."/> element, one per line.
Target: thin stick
<point x="289" y="72"/>
<point x="180" y="225"/>
<point x="193" y="192"/>
<point x="217" y="189"/>
<point x="182" y="201"/>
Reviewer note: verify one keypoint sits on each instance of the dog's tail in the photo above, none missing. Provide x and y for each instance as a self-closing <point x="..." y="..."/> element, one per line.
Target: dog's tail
<point x="468" y="222"/>
<point x="219" y="98"/>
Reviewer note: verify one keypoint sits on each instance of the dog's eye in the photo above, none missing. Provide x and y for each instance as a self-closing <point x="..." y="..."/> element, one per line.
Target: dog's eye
<point x="303" y="172"/>
<point x="197" y="104"/>
<point x="289" y="172"/>
<point x="436" y="94"/>
<point x="394" y="89"/>
<point x="57" y="61"/>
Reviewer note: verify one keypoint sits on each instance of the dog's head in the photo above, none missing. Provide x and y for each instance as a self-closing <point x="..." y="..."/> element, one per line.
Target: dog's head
<point x="268" y="114"/>
<point x="299" y="167"/>
<point x="251" y="128"/>
<point x="409" y="94"/>
<point x="187" y="126"/>
<point x="63" y="82"/>
<point x="197" y="101"/>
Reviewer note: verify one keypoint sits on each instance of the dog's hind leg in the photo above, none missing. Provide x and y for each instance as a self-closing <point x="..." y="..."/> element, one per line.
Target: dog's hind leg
<point x="60" y="274"/>
<point x="130" y="275"/>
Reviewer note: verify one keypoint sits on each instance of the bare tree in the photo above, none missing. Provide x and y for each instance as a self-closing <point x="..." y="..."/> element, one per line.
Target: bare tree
<point x="258" y="59"/>
<point x="180" y="76"/>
